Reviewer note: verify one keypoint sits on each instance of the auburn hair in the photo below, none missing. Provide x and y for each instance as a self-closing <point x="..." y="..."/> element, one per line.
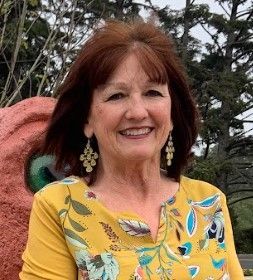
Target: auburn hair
<point x="98" y="59"/>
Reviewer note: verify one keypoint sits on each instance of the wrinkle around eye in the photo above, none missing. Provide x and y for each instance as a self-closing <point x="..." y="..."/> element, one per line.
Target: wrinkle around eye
<point x="115" y="96"/>
<point x="154" y="93"/>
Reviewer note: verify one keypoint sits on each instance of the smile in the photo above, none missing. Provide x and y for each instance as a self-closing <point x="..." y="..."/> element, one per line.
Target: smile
<point x="136" y="131"/>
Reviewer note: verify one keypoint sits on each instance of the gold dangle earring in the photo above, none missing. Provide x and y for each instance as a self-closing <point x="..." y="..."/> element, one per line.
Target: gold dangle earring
<point x="169" y="150"/>
<point x="88" y="157"/>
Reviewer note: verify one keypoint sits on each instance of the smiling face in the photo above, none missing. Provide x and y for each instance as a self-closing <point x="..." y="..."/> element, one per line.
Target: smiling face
<point x="130" y="115"/>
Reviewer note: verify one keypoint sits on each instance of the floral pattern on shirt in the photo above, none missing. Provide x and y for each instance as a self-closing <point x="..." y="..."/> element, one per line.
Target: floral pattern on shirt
<point x="195" y="228"/>
<point x="103" y="266"/>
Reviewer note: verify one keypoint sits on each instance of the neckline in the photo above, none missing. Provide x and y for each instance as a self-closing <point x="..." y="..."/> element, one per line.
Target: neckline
<point x="166" y="205"/>
<point x="168" y="202"/>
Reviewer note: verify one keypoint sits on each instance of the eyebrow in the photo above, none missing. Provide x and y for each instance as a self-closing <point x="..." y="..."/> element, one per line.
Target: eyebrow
<point x="118" y="85"/>
<point x="122" y="85"/>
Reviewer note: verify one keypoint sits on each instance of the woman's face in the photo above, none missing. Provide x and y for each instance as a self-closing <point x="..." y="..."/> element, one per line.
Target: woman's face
<point x="130" y="116"/>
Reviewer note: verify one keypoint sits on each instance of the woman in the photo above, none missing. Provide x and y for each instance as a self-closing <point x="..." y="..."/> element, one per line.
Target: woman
<point x="124" y="111"/>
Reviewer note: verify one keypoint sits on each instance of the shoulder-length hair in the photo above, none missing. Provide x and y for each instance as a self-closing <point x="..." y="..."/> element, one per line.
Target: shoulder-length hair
<point x="96" y="62"/>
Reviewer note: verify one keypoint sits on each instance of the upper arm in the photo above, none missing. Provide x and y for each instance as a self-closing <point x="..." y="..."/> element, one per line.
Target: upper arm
<point x="234" y="266"/>
<point x="46" y="255"/>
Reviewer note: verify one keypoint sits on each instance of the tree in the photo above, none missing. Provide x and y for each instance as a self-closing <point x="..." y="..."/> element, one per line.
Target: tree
<point x="221" y="78"/>
<point x="230" y="90"/>
<point x="40" y="38"/>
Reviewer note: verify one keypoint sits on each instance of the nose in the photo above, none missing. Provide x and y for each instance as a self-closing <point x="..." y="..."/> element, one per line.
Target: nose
<point x="137" y="109"/>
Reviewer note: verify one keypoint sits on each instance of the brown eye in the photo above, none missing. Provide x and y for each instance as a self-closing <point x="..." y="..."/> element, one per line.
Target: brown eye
<point x="116" y="96"/>
<point x="153" y="93"/>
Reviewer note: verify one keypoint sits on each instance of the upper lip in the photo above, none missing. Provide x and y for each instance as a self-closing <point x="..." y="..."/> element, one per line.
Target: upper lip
<point x="123" y="131"/>
<point x="135" y="127"/>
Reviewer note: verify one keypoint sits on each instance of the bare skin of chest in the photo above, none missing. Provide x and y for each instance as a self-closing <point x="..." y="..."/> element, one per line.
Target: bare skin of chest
<point x="150" y="214"/>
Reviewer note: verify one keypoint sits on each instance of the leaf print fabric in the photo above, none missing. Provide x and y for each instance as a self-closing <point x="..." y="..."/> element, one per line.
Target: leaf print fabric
<point x="135" y="228"/>
<point x="216" y="226"/>
<point x="208" y="202"/>
<point x="93" y="243"/>
<point x="98" y="267"/>
<point x="185" y="249"/>
<point x="74" y="239"/>
<point x="191" y="222"/>
<point x="194" y="270"/>
<point x="192" y="219"/>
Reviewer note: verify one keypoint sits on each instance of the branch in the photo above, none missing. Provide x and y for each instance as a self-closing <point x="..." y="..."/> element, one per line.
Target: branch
<point x="244" y="132"/>
<point x="44" y="76"/>
<point x="238" y="200"/>
<point x="18" y="61"/>
<point x="236" y="183"/>
<point x="16" y="50"/>
<point x="3" y="28"/>
<point x="223" y="8"/>
<point x="70" y="31"/>
<point x="213" y="37"/>
<point x="242" y="13"/>
<point x="32" y="23"/>
<point x="238" y="191"/>
<point x="151" y="6"/>
<point x="32" y="69"/>
<point x="240" y="32"/>
<point x="8" y="66"/>
<point x="247" y="116"/>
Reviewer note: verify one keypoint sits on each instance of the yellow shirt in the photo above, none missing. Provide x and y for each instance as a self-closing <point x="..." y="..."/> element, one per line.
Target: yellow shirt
<point x="72" y="235"/>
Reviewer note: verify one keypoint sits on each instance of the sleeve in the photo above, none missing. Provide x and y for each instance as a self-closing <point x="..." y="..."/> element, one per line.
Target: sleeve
<point x="46" y="255"/>
<point x="234" y="267"/>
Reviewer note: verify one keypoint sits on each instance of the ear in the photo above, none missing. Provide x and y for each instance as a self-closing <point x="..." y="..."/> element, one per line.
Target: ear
<point x="171" y="126"/>
<point x="88" y="130"/>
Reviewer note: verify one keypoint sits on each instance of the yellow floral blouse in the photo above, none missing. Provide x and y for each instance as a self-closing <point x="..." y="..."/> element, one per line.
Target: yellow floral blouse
<point x="72" y="235"/>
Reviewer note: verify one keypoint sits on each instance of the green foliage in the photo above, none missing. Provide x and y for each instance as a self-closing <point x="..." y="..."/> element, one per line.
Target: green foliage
<point x="33" y="3"/>
<point x="242" y="223"/>
<point x="204" y="169"/>
<point x="248" y="272"/>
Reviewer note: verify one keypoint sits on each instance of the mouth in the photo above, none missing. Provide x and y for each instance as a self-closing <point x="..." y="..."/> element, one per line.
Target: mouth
<point x="136" y="131"/>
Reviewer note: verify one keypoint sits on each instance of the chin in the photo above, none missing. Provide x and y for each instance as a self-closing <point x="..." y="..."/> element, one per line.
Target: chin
<point x="139" y="155"/>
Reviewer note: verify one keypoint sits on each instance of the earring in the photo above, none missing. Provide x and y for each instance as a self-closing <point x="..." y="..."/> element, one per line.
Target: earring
<point x="88" y="157"/>
<point x="169" y="150"/>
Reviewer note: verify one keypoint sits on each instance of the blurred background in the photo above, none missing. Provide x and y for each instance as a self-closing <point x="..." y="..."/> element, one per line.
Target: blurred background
<point x="40" y="38"/>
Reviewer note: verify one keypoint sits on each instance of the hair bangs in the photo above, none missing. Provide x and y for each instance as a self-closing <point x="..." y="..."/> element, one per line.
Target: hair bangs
<point x="151" y="64"/>
<point x="149" y="61"/>
<point x="105" y="65"/>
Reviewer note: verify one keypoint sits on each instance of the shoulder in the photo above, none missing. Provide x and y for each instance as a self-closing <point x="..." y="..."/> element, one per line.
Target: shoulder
<point x="56" y="193"/>
<point x="197" y="189"/>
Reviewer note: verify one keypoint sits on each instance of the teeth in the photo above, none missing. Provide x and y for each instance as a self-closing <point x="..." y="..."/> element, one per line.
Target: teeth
<point x="135" y="132"/>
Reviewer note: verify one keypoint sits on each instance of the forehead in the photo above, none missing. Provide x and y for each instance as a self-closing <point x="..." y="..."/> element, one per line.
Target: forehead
<point x="133" y="68"/>
<point x="128" y="70"/>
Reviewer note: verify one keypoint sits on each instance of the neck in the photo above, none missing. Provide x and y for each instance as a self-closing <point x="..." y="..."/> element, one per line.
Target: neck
<point x="140" y="180"/>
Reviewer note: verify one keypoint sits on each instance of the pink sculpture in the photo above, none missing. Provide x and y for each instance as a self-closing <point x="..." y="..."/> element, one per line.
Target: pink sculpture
<point x="21" y="128"/>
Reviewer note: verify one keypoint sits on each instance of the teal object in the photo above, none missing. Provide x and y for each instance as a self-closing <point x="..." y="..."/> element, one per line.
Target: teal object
<point x="191" y="222"/>
<point x="194" y="270"/>
<point x="40" y="171"/>
<point x="218" y="264"/>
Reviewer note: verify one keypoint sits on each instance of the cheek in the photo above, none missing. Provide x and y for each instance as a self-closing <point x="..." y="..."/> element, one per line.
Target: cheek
<point x="163" y="115"/>
<point x="104" y="121"/>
